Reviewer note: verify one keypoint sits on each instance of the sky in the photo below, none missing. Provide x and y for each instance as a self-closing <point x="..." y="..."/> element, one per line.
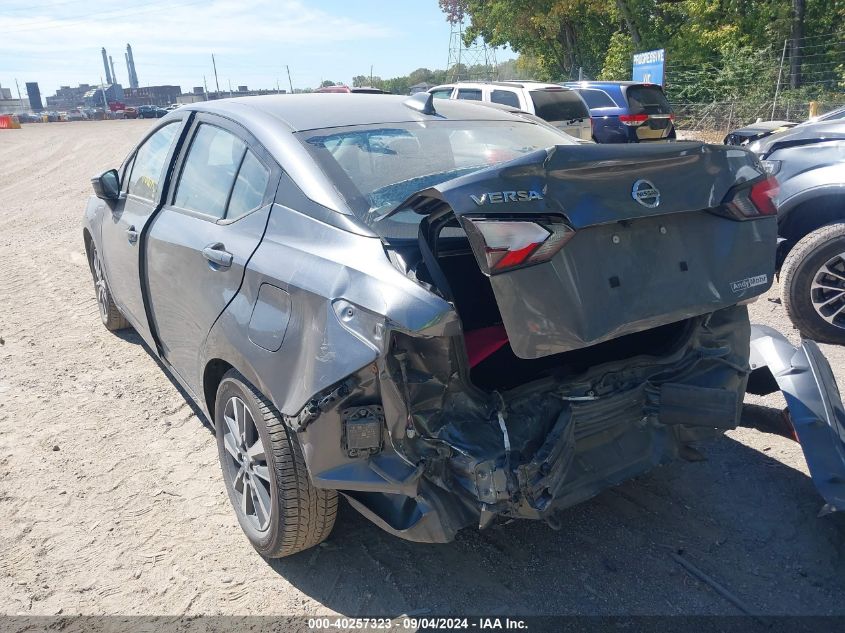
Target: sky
<point x="58" y="42"/>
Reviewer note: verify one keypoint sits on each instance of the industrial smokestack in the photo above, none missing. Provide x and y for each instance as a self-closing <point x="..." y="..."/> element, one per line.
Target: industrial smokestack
<point x="113" y="74"/>
<point x="130" y="62"/>
<point x="106" y="66"/>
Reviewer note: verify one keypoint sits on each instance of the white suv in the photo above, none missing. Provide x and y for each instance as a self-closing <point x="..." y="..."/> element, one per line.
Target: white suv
<point x="562" y="107"/>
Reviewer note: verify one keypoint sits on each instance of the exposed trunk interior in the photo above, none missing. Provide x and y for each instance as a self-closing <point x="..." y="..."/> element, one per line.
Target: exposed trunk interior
<point x="502" y="369"/>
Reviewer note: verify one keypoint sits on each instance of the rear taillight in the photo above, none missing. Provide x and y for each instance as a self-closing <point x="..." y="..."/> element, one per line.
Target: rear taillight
<point x="502" y="245"/>
<point x="633" y="119"/>
<point x="754" y="201"/>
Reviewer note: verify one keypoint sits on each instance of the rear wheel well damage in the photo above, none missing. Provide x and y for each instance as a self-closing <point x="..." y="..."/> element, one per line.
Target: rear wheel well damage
<point x="212" y="376"/>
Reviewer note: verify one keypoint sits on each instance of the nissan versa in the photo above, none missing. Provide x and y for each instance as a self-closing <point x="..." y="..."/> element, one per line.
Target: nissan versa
<point x="450" y="316"/>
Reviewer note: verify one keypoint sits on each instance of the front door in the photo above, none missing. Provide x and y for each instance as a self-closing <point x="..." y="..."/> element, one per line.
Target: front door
<point x="122" y="228"/>
<point x="201" y="240"/>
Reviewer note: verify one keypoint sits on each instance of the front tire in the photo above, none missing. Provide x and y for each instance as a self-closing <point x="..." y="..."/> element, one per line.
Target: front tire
<point x="278" y="508"/>
<point x="813" y="291"/>
<point x="109" y="313"/>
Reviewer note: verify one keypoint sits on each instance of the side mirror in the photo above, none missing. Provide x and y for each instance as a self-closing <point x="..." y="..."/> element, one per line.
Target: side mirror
<point x="107" y="185"/>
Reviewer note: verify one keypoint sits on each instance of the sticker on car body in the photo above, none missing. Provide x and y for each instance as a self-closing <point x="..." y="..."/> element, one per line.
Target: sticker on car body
<point x="749" y="282"/>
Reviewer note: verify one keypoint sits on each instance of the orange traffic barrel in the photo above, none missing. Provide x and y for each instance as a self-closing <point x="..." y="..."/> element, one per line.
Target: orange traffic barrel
<point x="9" y="122"/>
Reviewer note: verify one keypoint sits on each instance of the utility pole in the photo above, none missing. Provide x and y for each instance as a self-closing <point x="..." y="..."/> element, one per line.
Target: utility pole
<point x="205" y="86"/>
<point x="216" y="83"/>
<point x="277" y="85"/>
<point x="371" y="75"/>
<point x="230" y="88"/>
<point x="20" y="98"/>
<point x="289" y="81"/>
<point x="780" y="74"/>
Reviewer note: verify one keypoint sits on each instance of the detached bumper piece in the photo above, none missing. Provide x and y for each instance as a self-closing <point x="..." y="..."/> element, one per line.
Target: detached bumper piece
<point x="814" y="404"/>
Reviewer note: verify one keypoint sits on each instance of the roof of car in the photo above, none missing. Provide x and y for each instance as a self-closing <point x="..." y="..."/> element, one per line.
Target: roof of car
<point x="597" y="84"/>
<point x="515" y="83"/>
<point x="311" y="111"/>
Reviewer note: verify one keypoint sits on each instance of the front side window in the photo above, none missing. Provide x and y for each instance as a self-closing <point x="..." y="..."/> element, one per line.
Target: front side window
<point x="472" y="94"/>
<point x="148" y="166"/>
<point x="505" y="97"/>
<point x="209" y="171"/>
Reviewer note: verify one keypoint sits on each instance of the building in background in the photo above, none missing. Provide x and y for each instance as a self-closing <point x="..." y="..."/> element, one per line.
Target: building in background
<point x="94" y="98"/>
<point x="5" y="93"/>
<point x="34" y="94"/>
<point x="152" y="95"/>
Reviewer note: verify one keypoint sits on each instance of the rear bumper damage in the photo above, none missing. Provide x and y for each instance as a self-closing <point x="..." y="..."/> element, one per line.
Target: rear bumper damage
<point x="450" y="456"/>
<point x="814" y="405"/>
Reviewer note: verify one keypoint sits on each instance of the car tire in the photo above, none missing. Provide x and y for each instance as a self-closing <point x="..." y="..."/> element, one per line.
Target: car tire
<point x="110" y="315"/>
<point x="817" y="257"/>
<point x="279" y="509"/>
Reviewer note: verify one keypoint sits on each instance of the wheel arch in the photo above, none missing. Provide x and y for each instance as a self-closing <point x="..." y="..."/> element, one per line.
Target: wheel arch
<point x="807" y="215"/>
<point x="212" y="375"/>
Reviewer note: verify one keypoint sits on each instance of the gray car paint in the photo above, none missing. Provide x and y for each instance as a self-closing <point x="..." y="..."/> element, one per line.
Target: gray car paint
<point x="355" y="326"/>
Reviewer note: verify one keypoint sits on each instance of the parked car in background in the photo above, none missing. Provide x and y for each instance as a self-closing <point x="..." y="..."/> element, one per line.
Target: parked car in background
<point x="627" y="111"/>
<point x="29" y="117"/>
<point x="447" y="314"/>
<point x="559" y="106"/>
<point x="76" y="115"/>
<point x="130" y="113"/>
<point x="762" y="129"/>
<point x="365" y="90"/>
<point x="151" y="112"/>
<point x="756" y="131"/>
<point x="809" y="164"/>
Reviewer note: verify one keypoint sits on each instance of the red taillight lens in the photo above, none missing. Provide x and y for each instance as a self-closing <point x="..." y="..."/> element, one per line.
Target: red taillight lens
<point x="763" y="195"/>
<point x="755" y="201"/>
<point x="501" y="245"/>
<point x="633" y="119"/>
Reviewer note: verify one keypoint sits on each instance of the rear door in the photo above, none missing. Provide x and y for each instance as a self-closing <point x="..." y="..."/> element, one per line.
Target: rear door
<point x="651" y="102"/>
<point x="200" y="242"/>
<point x="122" y="230"/>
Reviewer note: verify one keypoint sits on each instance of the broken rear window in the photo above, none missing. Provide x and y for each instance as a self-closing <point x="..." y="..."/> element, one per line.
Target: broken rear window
<point x="377" y="167"/>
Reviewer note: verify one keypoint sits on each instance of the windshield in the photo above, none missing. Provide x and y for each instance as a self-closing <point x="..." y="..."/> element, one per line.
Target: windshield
<point x="377" y="167"/>
<point x="559" y="105"/>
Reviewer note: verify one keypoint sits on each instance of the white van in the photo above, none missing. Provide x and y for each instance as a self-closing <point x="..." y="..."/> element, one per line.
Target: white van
<point x="562" y="107"/>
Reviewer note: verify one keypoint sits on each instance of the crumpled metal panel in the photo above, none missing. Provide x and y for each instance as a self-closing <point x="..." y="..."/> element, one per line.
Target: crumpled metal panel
<point x="815" y="406"/>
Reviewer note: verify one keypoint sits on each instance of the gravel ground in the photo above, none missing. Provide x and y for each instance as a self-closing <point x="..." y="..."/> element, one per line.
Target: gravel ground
<point x="111" y="500"/>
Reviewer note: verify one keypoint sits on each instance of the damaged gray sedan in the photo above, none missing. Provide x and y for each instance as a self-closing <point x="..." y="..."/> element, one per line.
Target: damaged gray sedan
<point x="448" y="316"/>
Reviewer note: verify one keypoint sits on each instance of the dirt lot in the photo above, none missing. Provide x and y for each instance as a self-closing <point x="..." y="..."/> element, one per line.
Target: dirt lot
<point x="111" y="501"/>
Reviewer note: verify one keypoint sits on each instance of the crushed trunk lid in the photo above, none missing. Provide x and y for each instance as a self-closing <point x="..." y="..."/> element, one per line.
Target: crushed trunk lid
<point x="647" y="246"/>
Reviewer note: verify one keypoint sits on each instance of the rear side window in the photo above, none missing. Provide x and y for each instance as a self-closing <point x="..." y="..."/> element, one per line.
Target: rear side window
<point x="250" y="185"/>
<point x="442" y="94"/>
<point x="148" y="167"/>
<point x="597" y="98"/>
<point x="471" y="94"/>
<point x="647" y="100"/>
<point x="558" y="105"/>
<point x="506" y="97"/>
<point x="209" y="171"/>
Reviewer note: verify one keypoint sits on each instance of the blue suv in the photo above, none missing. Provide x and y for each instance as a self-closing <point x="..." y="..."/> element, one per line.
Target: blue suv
<point x="626" y="111"/>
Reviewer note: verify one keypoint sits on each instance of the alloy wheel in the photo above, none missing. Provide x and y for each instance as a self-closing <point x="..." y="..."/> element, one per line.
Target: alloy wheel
<point x="827" y="291"/>
<point x="100" y="285"/>
<point x="247" y="463"/>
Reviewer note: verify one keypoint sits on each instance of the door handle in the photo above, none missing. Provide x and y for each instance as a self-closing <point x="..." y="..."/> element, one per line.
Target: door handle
<point x="132" y="234"/>
<point x="217" y="255"/>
